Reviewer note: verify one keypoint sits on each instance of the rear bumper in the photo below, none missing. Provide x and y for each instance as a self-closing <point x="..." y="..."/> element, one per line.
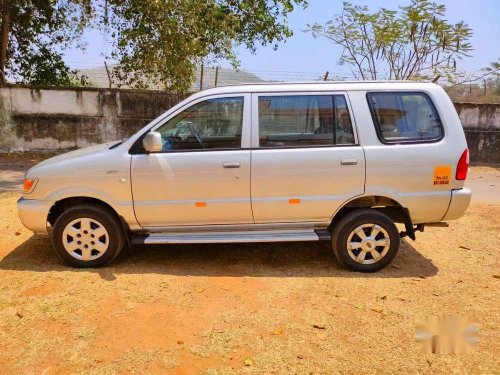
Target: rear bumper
<point x="460" y="200"/>
<point x="33" y="214"/>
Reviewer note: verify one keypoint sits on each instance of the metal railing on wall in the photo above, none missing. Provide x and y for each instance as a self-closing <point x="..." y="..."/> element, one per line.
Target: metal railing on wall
<point x="102" y="75"/>
<point x="485" y="88"/>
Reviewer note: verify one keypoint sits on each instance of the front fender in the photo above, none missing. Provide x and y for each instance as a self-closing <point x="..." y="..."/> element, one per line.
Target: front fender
<point x="124" y="208"/>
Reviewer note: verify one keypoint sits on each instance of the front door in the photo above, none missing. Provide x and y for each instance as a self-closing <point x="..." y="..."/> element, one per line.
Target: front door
<point x="202" y="174"/>
<point x="306" y="160"/>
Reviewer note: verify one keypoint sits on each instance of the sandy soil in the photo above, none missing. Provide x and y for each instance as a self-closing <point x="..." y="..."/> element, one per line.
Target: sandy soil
<point x="257" y="308"/>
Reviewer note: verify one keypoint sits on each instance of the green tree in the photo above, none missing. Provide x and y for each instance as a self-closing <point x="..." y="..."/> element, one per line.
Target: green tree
<point x="162" y="41"/>
<point x="154" y="41"/>
<point x="493" y="69"/>
<point x="491" y="76"/>
<point x="412" y="42"/>
<point x="33" y="35"/>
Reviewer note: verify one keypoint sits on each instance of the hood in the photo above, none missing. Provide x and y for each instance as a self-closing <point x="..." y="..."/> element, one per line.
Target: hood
<point x="77" y="153"/>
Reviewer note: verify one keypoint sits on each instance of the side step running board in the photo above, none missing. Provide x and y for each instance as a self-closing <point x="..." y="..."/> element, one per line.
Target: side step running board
<point x="232" y="237"/>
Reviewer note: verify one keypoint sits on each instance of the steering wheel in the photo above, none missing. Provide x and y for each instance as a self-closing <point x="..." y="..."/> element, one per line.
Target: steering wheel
<point x="196" y="135"/>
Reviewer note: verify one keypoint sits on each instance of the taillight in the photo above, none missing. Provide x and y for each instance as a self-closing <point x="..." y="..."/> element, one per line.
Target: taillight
<point x="463" y="166"/>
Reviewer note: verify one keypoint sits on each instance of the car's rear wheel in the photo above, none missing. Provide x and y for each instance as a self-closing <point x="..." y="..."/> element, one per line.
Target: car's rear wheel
<point x="87" y="236"/>
<point x="365" y="240"/>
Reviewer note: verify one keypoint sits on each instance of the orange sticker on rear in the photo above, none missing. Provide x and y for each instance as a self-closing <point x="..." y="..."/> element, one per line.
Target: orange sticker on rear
<point x="294" y="201"/>
<point x="442" y="175"/>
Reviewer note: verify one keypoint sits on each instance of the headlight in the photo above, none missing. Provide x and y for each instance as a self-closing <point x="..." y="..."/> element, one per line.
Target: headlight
<point x="29" y="184"/>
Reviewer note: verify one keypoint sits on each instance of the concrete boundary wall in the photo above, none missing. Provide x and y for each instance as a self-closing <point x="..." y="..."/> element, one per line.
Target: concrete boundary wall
<point x="50" y="119"/>
<point x="479" y="115"/>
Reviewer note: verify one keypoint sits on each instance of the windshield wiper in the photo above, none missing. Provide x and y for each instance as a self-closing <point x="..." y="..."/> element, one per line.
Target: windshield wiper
<point x="118" y="144"/>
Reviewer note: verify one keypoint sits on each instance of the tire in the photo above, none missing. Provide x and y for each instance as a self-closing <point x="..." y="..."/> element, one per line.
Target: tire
<point x="88" y="236"/>
<point x="357" y="228"/>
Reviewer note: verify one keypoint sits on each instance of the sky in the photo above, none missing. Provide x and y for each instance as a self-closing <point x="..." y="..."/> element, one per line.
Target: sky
<point x="303" y="53"/>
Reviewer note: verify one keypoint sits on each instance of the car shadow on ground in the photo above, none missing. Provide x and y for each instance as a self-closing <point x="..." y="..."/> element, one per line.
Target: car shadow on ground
<point x="289" y="259"/>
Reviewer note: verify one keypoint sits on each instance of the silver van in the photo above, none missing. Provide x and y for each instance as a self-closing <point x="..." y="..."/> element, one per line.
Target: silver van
<point x="340" y="162"/>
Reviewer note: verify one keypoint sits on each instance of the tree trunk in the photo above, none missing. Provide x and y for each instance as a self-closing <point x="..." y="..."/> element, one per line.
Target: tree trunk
<point x="4" y="41"/>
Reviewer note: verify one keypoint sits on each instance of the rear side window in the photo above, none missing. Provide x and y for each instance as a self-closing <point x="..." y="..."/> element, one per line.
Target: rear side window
<point x="402" y="117"/>
<point x="304" y="121"/>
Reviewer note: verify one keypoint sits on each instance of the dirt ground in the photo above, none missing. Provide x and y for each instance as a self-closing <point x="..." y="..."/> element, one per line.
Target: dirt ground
<point x="254" y="308"/>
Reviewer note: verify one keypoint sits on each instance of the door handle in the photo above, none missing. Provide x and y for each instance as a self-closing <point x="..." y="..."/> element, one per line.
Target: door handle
<point x="231" y="164"/>
<point x="349" y="161"/>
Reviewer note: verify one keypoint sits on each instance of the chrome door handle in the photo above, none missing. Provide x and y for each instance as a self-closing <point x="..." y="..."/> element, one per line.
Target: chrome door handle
<point x="231" y="164"/>
<point x="349" y="161"/>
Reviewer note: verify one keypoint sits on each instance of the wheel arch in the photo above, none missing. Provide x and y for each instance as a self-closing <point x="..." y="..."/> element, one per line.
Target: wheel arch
<point x="63" y="204"/>
<point x="388" y="206"/>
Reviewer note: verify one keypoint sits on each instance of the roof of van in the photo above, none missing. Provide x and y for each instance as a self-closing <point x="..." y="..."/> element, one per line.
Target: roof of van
<point x="318" y="86"/>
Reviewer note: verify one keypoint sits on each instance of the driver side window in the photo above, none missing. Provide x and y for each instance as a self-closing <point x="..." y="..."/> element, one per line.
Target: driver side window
<point x="210" y="124"/>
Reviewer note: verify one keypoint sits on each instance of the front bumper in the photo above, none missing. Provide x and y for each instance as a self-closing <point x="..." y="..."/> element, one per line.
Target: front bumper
<point x="33" y="214"/>
<point x="460" y="200"/>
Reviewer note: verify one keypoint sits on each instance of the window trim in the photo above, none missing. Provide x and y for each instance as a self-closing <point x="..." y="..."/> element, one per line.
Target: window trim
<point x="138" y="149"/>
<point x="256" y="126"/>
<point x="377" y="125"/>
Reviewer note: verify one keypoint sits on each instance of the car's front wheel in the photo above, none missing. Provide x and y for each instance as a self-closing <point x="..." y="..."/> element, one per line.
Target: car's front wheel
<point x="87" y="236"/>
<point x="365" y="240"/>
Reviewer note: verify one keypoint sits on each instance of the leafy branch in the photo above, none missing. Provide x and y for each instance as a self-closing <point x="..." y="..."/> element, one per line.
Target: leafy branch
<point x="411" y="42"/>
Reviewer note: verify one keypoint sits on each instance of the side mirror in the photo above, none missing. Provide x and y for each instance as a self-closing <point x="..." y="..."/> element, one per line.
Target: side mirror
<point x="152" y="142"/>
